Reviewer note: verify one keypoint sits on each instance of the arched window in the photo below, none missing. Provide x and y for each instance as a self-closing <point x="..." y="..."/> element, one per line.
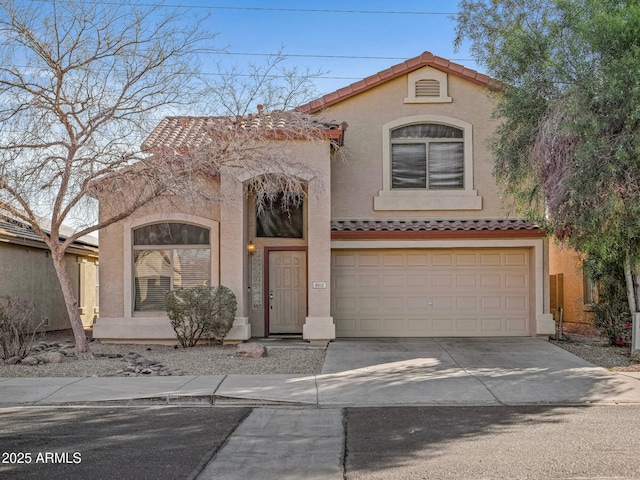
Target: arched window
<point x="427" y="164"/>
<point x="427" y="155"/>
<point x="165" y="256"/>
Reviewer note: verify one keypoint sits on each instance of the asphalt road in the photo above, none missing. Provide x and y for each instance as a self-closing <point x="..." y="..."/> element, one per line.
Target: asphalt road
<point x="528" y="442"/>
<point x="142" y="443"/>
<point x="539" y="442"/>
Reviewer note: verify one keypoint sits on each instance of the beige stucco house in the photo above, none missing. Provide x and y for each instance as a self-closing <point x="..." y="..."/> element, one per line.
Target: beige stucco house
<point x="403" y="236"/>
<point x="27" y="272"/>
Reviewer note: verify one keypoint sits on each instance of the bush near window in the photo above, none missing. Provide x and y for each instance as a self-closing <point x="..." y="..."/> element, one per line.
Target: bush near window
<point x="17" y="328"/>
<point x="200" y="312"/>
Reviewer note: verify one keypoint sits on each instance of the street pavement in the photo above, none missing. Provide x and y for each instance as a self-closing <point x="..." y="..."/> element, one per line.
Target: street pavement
<point x="302" y="423"/>
<point x="287" y="443"/>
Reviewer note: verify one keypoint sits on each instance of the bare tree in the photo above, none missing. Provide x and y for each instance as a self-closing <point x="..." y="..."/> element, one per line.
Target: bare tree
<point x="80" y="84"/>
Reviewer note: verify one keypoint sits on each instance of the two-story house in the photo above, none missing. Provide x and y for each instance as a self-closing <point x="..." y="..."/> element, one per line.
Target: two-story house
<point x="404" y="235"/>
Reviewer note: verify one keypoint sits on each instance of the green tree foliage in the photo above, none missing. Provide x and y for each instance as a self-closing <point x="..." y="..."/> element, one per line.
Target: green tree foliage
<point x="200" y="312"/>
<point x="567" y="151"/>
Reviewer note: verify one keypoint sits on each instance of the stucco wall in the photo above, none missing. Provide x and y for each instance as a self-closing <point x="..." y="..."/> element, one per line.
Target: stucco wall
<point x="569" y="263"/>
<point x="28" y="273"/>
<point x="358" y="179"/>
<point x="112" y="245"/>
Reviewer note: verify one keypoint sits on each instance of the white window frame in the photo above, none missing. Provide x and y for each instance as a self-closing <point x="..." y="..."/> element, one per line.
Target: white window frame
<point x="425" y="199"/>
<point x="128" y="265"/>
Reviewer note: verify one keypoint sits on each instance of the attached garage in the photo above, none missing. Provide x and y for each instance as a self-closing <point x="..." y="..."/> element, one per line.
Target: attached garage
<point x="432" y="292"/>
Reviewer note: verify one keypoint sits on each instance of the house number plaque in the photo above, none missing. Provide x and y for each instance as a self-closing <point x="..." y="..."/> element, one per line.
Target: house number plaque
<point x="256" y="280"/>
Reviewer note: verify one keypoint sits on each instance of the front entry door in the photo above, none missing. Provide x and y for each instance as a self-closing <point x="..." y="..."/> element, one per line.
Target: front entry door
<point x="287" y="291"/>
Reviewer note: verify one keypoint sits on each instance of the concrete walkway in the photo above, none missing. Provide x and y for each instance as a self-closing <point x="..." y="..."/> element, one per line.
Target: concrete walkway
<point x="279" y="444"/>
<point x="370" y="372"/>
<point x="306" y="440"/>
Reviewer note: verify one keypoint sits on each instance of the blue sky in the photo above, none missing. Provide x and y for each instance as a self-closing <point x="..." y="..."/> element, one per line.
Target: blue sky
<point x="257" y="27"/>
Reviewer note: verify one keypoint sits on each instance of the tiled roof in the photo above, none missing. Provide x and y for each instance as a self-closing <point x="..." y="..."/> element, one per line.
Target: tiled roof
<point x="192" y="132"/>
<point x="15" y="230"/>
<point x="429" y="225"/>
<point x="427" y="59"/>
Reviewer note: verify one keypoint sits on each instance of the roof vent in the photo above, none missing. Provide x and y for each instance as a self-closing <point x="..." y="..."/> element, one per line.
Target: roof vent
<point x="428" y="88"/>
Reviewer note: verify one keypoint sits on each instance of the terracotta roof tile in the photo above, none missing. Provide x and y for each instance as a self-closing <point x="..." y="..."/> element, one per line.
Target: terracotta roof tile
<point x="408" y="66"/>
<point x="191" y="132"/>
<point x="428" y="225"/>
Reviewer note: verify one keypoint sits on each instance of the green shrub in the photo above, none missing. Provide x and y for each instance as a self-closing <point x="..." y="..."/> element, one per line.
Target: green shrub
<point x="200" y="312"/>
<point x="17" y="329"/>
<point x="611" y="313"/>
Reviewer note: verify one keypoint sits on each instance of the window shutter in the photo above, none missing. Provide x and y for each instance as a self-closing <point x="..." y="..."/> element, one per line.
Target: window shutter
<point x="427" y="88"/>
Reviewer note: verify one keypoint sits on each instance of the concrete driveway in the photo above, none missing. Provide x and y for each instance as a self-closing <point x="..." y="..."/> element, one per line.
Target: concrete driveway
<point x="465" y="371"/>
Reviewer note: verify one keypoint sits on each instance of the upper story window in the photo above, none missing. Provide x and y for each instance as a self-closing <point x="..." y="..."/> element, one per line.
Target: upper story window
<point x="165" y="256"/>
<point x="281" y="217"/>
<point x="427" y="164"/>
<point x="428" y="156"/>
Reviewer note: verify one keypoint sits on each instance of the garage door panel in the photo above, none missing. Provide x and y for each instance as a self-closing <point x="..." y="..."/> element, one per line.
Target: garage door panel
<point x="393" y="260"/>
<point x="393" y="304"/>
<point x="442" y="259"/>
<point x="367" y="281"/>
<point x="345" y="305"/>
<point x="515" y="324"/>
<point x="490" y="259"/>
<point x="490" y="280"/>
<point x="417" y="260"/>
<point x="466" y="303"/>
<point x="491" y="303"/>
<point x="466" y="280"/>
<point x="466" y="259"/>
<point x="417" y="281"/>
<point x="395" y="280"/>
<point x="344" y="282"/>
<point x="518" y="303"/>
<point x="442" y="280"/>
<point x="515" y="281"/>
<point x="370" y="303"/>
<point x="516" y="259"/>
<point x="492" y="326"/>
<point x="406" y="293"/>
<point x="417" y="303"/>
<point x="369" y="326"/>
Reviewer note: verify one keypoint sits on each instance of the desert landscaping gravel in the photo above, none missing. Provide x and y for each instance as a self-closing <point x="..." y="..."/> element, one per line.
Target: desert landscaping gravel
<point x="200" y="360"/>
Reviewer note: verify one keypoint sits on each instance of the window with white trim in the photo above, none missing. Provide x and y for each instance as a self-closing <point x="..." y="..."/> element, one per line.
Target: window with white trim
<point x="427" y="164"/>
<point x="427" y="155"/>
<point x="165" y="256"/>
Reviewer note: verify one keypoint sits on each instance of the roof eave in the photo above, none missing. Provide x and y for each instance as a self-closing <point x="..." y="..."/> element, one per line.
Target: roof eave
<point x="427" y="59"/>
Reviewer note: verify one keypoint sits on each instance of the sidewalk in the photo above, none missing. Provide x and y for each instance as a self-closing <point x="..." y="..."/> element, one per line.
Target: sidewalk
<point x="374" y="372"/>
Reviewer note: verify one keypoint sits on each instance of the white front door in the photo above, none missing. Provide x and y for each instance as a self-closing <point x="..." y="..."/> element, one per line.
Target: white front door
<point x="287" y="291"/>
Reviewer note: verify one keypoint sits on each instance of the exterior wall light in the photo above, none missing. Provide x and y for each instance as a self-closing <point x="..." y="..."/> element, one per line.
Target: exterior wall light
<point x="251" y="248"/>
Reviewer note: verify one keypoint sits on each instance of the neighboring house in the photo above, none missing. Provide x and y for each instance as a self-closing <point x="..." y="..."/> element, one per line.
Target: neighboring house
<point x="407" y="237"/>
<point x="27" y="272"/>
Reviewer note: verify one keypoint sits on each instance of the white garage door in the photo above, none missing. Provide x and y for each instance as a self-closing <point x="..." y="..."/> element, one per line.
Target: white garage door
<point x="431" y="292"/>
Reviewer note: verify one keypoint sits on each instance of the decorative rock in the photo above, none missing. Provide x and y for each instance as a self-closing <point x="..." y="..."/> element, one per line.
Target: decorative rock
<point x="13" y="360"/>
<point x="29" y="361"/>
<point x="50" y="357"/>
<point x="251" y="350"/>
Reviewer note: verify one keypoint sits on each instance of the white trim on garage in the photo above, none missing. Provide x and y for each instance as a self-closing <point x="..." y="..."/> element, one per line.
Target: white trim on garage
<point x="541" y="322"/>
